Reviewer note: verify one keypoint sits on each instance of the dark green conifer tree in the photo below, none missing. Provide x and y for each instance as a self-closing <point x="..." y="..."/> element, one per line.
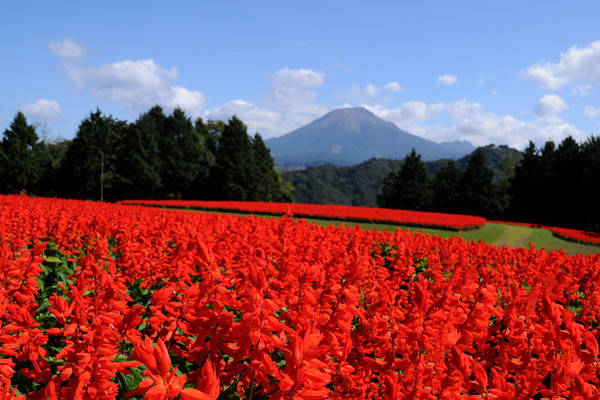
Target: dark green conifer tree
<point x="409" y="188"/>
<point x="268" y="183"/>
<point x="477" y="191"/>
<point x="23" y="157"/>
<point x="235" y="170"/>
<point x="96" y="140"/>
<point x="183" y="153"/>
<point x="446" y="184"/>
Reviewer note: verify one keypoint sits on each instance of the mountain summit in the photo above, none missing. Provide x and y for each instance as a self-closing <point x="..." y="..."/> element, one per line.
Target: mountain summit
<point x="348" y="136"/>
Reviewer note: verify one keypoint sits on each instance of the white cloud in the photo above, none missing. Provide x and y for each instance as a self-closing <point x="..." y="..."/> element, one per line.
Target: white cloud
<point x="577" y="64"/>
<point x="297" y="78"/>
<point x="550" y="104"/>
<point x="461" y="108"/>
<point x="137" y="83"/>
<point x="67" y="50"/>
<point x="447" y="79"/>
<point x="371" y="90"/>
<point x="582" y="90"/>
<point x="256" y="118"/>
<point x="393" y="86"/>
<point x="124" y="80"/>
<point x="289" y="104"/>
<point x="191" y="101"/>
<point x="592" y="112"/>
<point x="418" y="111"/>
<point x="42" y="110"/>
<point x="471" y="124"/>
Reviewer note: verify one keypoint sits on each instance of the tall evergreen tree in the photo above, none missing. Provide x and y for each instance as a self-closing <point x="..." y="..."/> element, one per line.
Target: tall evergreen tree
<point x="183" y="154"/>
<point x="547" y="178"/>
<point x="477" y="189"/>
<point x="409" y="188"/>
<point x="524" y="185"/>
<point x="214" y="130"/>
<point x="22" y="157"/>
<point x="446" y="184"/>
<point x="96" y="139"/>
<point x="138" y="161"/>
<point x="268" y="184"/>
<point x="590" y="180"/>
<point x="234" y="171"/>
<point x="201" y="186"/>
<point x="568" y="185"/>
<point x="51" y="180"/>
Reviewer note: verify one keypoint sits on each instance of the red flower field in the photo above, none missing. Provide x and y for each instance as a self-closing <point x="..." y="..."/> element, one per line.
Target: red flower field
<point x="101" y="301"/>
<point x="352" y="213"/>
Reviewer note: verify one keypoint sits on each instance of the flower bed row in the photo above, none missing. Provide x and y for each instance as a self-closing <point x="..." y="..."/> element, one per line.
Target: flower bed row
<point x="575" y="235"/>
<point x="100" y="301"/>
<point x="351" y="213"/>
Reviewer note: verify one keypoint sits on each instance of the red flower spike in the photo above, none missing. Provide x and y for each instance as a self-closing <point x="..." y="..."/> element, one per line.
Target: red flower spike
<point x="162" y="356"/>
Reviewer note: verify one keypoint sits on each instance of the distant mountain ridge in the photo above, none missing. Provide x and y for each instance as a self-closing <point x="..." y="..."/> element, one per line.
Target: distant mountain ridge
<point x="348" y="136"/>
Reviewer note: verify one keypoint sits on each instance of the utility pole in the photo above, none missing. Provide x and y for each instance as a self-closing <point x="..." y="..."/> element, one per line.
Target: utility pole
<point x="101" y="175"/>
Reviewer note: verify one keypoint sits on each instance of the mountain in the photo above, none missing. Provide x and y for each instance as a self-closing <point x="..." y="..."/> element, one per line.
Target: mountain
<point x="348" y="136"/>
<point x="359" y="184"/>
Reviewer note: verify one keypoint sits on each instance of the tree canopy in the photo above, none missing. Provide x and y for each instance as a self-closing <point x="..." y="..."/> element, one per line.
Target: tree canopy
<point x="158" y="156"/>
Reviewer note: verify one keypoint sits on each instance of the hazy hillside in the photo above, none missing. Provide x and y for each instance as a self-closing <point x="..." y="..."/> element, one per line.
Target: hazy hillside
<point x="359" y="184"/>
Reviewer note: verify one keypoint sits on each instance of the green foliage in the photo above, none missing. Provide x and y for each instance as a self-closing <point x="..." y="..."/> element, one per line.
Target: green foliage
<point x="22" y="157"/>
<point x="477" y="190"/>
<point x="446" y="184"/>
<point x="359" y="184"/>
<point x="556" y="185"/>
<point x="157" y="157"/>
<point x="56" y="270"/>
<point x="138" y="157"/>
<point x="244" y="169"/>
<point x="409" y="188"/>
<point x="235" y="166"/>
<point x="184" y="156"/>
<point x="82" y="164"/>
<point x="268" y="184"/>
<point x="129" y="382"/>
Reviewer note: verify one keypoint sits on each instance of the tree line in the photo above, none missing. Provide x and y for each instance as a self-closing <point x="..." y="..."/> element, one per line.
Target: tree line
<point x="552" y="185"/>
<point x="158" y="156"/>
<point x="451" y="190"/>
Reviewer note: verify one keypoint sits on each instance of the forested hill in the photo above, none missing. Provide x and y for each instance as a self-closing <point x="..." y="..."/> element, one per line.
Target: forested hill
<point x="359" y="184"/>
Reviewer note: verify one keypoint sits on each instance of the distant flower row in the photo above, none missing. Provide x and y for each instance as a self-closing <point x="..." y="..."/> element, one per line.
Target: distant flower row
<point x="575" y="235"/>
<point x="351" y="213"/>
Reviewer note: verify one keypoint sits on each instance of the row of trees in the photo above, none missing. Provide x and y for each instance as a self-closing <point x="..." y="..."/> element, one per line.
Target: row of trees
<point x="552" y="185"/>
<point x="451" y="190"/>
<point x="157" y="156"/>
<point x="558" y="186"/>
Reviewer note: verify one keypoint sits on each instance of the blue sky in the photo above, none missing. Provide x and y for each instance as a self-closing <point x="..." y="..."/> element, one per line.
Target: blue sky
<point x="488" y="72"/>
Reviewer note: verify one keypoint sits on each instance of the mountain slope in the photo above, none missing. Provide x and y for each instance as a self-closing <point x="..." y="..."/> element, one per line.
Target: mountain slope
<point x="359" y="184"/>
<point x="348" y="136"/>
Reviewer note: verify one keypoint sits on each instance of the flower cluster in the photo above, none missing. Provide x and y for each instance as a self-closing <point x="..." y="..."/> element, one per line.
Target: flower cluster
<point x="100" y="301"/>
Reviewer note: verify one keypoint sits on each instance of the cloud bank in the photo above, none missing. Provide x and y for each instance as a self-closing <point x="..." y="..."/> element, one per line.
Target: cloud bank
<point x="42" y="110"/>
<point x="139" y="84"/>
<point x="577" y="64"/>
